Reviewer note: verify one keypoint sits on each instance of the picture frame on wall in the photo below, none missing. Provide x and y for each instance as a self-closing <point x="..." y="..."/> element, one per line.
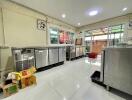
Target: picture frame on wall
<point x="41" y="24"/>
<point x="78" y="41"/>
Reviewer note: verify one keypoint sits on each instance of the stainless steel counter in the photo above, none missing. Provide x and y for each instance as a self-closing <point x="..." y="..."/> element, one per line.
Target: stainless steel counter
<point x="41" y="56"/>
<point x="74" y="52"/>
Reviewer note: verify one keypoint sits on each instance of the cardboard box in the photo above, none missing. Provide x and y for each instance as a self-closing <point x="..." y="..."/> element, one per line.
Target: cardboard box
<point x="9" y="89"/>
<point x="27" y="81"/>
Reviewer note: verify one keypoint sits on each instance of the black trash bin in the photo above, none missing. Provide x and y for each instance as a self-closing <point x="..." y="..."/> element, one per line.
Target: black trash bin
<point x="95" y="77"/>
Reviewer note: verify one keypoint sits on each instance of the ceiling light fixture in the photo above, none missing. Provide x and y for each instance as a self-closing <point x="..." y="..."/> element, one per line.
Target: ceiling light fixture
<point x="124" y="9"/>
<point x="64" y="98"/>
<point x="79" y="24"/>
<point x="93" y="13"/>
<point x="78" y="86"/>
<point x="63" y="15"/>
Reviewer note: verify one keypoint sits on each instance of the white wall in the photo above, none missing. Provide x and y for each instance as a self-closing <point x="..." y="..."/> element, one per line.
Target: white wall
<point x="21" y="30"/>
<point x="20" y="26"/>
<point x="1" y="30"/>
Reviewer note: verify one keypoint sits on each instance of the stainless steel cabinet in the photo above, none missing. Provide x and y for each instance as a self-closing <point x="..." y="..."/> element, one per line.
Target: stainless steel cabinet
<point x="62" y="54"/>
<point x="53" y="55"/>
<point x="41" y="57"/>
<point x="118" y="68"/>
<point x="72" y="52"/>
<point x="38" y="56"/>
<point x="24" y="58"/>
<point x="77" y="52"/>
<point x="81" y="53"/>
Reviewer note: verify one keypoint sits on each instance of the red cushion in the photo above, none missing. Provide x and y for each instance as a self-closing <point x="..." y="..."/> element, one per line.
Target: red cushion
<point x="92" y="55"/>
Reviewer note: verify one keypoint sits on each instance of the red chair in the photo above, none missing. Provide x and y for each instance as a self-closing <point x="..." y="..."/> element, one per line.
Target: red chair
<point x="92" y="55"/>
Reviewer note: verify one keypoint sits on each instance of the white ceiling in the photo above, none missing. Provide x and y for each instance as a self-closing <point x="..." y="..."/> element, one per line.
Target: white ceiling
<point x="76" y="10"/>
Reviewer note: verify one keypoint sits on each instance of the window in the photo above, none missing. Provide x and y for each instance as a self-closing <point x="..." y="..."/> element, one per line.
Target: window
<point x="116" y="28"/>
<point x="87" y="33"/>
<point x="60" y="36"/>
<point x="53" y="35"/>
<point x="115" y="34"/>
<point x="66" y="37"/>
<point x="87" y="38"/>
<point x="71" y="38"/>
<point x="99" y="31"/>
<point x="100" y="37"/>
<point x="115" y="38"/>
<point x="108" y="36"/>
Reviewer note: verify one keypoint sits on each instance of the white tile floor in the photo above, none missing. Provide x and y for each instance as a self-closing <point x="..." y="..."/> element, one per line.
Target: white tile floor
<point x="70" y="81"/>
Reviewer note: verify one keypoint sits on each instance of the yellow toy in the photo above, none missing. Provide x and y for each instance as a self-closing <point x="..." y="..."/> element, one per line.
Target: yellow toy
<point x="25" y="77"/>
